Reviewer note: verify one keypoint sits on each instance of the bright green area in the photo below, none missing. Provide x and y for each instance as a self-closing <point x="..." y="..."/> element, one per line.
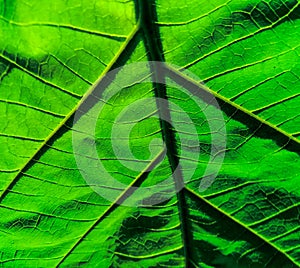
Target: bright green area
<point x="246" y="52"/>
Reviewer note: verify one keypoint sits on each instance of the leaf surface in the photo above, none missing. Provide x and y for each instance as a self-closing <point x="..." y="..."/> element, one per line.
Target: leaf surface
<point x="54" y="61"/>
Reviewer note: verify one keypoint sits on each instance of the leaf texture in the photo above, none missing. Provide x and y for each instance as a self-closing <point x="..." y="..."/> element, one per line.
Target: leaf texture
<point x="55" y="58"/>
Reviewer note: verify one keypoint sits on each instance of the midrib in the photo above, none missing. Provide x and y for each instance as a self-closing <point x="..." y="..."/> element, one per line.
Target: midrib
<point x="146" y="16"/>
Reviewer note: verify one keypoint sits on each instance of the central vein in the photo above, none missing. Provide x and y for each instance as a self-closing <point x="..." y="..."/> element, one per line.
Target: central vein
<point x="146" y="15"/>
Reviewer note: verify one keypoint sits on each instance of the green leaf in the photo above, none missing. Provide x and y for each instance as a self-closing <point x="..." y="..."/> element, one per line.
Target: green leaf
<point x="231" y="69"/>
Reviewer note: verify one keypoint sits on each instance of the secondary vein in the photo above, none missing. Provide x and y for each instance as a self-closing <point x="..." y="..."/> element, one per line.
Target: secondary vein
<point x="122" y="53"/>
<point x="131" y="188"/>
<point x="197" y="88"/>
<point x="247" y="228"/>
